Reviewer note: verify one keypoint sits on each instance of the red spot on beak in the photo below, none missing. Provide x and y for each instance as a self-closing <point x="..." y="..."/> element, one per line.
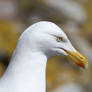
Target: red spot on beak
<point x="80" y="64"/>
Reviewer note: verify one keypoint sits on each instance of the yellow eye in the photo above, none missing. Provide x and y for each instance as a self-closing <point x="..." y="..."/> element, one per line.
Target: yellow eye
<point x="59" y="39"/>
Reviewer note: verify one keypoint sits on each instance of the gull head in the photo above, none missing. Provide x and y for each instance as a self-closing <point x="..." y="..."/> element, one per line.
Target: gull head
<point x="47" y="38"/>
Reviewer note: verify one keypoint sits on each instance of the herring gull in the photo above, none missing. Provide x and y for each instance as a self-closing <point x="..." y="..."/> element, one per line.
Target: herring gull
<point x="27" y="69"/>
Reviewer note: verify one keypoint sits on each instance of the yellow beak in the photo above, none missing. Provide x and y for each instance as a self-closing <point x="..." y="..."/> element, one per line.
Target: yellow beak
<point x="78" y="58"/>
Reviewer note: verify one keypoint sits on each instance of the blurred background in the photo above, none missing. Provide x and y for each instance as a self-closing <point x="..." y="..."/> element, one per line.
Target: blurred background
<point x="73" y="16"/>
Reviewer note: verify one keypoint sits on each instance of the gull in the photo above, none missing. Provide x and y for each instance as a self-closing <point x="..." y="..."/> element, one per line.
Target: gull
<point x="26" y="71"/>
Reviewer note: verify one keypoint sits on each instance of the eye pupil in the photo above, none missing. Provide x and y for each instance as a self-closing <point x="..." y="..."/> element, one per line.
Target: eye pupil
<point x="59" y="39"/>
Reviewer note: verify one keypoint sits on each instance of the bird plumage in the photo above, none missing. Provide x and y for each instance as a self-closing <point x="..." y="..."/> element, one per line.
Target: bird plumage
<point x="27" y="68"/>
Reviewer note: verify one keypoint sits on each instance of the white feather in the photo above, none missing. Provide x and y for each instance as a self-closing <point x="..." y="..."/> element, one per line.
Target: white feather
<point x="27" y="68"/>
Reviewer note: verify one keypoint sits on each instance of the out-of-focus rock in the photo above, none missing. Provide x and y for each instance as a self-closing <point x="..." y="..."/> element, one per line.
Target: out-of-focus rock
<point x="71" y="87"/>
<point x="7" y="9"/>
<point x="83" y="1"/>
<point x="47" y="13"/>
<point x="71" y="9"/>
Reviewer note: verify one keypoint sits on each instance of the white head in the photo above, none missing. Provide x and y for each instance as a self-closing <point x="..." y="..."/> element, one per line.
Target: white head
<point x="48" y="38"/>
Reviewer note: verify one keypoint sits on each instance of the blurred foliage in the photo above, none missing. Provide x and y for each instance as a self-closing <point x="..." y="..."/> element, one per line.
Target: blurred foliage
<point x="8" y="35"/>
<point x="87" y="27"/>
<point x="2" y="69"/>
<point x="26" y="6"/>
